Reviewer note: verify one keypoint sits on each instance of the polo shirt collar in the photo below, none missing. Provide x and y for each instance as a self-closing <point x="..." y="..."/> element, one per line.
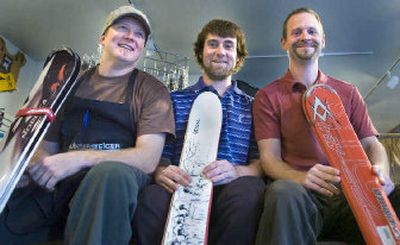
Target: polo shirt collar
<point x="201" y="86"/>
<point x="291" y="84"/>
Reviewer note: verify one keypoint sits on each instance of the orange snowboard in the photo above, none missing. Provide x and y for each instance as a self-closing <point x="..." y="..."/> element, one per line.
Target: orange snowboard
<point x="374" y="213"/>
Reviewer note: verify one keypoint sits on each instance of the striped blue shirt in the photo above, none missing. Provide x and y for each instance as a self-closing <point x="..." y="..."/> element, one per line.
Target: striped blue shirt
<point x="237" y="143"/>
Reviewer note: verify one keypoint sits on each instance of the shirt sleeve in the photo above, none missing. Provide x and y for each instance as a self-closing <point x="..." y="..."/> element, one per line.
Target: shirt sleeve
<point x="156" y="113"/>
<point x="266" y="120"/>
<point x="359" y="117"/>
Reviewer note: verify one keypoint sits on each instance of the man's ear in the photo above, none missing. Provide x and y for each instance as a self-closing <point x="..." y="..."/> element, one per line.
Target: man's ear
<point x="283" y="43"/>
<point x="101" y="40"/>
<point x="323" y="41"/>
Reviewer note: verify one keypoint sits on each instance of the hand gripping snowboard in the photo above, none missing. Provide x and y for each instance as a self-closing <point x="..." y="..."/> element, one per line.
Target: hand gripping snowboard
<point x="32" y="121"/>
<point x="374" y="213"/>
<point x="188" y="217"/>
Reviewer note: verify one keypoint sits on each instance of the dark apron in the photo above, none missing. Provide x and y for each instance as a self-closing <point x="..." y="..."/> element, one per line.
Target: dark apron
<point x="86" y="124"/>
<point x="99" y="125"/>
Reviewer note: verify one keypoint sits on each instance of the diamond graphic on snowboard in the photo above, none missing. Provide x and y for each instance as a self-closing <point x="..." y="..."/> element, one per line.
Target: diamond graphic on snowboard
<point x="320" y="110"/>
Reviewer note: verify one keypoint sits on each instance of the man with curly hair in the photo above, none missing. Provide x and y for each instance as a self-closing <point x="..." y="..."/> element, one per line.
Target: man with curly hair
<point x="220" y="50"/>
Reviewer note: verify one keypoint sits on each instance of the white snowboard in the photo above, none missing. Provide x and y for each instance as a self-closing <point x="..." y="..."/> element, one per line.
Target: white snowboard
<point x="188" y="217"/>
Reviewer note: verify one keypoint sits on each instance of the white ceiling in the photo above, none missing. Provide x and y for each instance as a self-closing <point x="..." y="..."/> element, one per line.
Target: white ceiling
<point x="38" y="26"/>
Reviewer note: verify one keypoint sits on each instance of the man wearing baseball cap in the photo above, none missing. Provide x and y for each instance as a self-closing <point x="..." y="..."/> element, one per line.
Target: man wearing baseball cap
<point x="128" y="11"/>
<point x="98" y="154"/>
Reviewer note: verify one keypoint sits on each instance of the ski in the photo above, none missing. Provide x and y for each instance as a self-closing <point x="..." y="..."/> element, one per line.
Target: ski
<point x="375" y="215"/>
<point x="55" y="82"/>
<point x="188" y="217"/>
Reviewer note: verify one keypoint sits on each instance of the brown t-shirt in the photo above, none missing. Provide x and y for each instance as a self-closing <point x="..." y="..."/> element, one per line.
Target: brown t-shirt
<point x="151" y="102"/>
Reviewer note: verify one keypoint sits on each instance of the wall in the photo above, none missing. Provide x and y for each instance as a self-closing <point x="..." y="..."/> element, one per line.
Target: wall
<point x="13" y="100"/>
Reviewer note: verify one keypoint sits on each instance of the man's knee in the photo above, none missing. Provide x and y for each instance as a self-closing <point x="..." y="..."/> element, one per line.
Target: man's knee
<point x="285" y="191"/>
<point x="112" y="170"/>
<point x="116" y="173"/>
<point x="112" y="179"/>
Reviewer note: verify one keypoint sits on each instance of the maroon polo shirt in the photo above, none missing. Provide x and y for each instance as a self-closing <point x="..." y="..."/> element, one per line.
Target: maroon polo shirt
<point x="278" y="114"/>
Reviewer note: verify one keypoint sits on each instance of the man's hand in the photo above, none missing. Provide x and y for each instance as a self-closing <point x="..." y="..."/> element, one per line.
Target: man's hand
<point x="51" y="169"/>
<point x="384" y="180"/>
<point x="220" y="172"/>
<point x="322" y="179"/>
<point x="171" y="177"/>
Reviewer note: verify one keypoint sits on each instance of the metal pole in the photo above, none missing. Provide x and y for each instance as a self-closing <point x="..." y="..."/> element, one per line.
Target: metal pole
<point x="382" y="78"/>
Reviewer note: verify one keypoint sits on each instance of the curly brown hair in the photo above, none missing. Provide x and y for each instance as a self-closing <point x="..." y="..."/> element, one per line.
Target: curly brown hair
<point x="222" y="28"/>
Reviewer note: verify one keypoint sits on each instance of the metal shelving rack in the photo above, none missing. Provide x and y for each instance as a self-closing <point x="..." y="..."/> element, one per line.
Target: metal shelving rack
<point x="170" y="68"/>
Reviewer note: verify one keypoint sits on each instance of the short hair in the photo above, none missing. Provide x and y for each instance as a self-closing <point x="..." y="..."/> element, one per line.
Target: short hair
<point x="222" y="28"/>
<point x="299" y="11"/>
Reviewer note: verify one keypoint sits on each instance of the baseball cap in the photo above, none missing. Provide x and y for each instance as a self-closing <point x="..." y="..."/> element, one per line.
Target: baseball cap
<point x="131" y="11"/>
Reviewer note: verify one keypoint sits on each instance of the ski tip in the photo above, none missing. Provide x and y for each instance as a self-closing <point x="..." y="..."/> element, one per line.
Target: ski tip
<point x="61" y="49"/>
<point x="314" y="87"/>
